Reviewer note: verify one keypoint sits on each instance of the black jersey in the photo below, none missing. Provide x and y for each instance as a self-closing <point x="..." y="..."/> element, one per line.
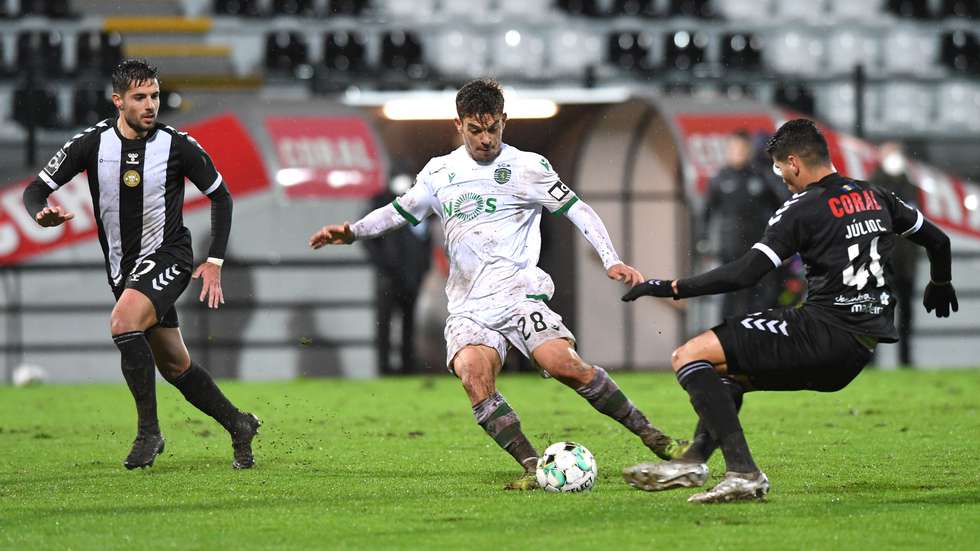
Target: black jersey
<point x="845" y="231"/>
<point x="137" y="189"/>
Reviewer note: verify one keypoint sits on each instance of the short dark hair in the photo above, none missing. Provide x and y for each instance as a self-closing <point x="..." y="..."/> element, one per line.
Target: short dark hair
<point x="479" y="97"/>
<point x="802" y="138"/>
<point x="132" y="72"/>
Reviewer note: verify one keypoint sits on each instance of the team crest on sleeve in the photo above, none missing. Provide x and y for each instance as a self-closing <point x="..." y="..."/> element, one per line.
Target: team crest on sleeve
<point x="501" y="175"/>
<point x="55" y="163"/>
<point x="559" y="191"/>
<point x="545" y="164"/>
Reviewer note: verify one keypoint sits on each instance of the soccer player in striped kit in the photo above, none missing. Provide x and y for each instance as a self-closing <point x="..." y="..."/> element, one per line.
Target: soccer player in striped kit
<point x="136" y="168"/>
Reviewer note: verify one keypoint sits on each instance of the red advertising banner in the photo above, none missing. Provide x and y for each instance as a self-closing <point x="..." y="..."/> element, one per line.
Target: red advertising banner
<point x="326" y="156"/>
<point x="944" y="199"/>
<point x="704" y="138"/>
<point x="223" y="137"/>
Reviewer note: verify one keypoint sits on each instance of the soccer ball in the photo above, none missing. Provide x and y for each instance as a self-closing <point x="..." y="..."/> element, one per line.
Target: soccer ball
<point x="566" y="467"/>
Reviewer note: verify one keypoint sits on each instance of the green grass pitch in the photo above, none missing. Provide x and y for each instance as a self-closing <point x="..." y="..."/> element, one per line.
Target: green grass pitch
<point x="890" y="462"/>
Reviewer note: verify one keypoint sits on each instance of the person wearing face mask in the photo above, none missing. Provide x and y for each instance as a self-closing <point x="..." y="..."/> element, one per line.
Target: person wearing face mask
<point x="737" y="207"/>
<point x="891" y="174"/>
<point x="402" y="258"/>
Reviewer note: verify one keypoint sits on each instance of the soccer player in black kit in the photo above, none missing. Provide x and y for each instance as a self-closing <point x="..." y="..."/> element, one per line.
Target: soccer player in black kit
<point x="136" y="168"/>
<point x="845" y="231"/>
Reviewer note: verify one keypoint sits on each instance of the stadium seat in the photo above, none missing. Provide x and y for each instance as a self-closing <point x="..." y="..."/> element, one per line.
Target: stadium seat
<point x="743" y="10"/>
<point x="98" y="52"/>
<point x="630" y="50"/>
<point x="909" y="51"/>
<point x="525" y="8"/>
<point x="961" y="52"/>
<point x="54" y="9"/>
<point x="240" y="8"/>
<point x="401" y="52"/>
<point x="849" y="48"/>
<point x="464" y="9"/>
<point x="285" y="52"/>
<point x="742" y="51"/>
<point x="684" y="50"/>
<point x="400" y="10"/>
<point x="517" y="54"/>
<point x="586" y="45"/>
<point x="353" y="8"/>
<point x="798" y="10"/>
<point x="90" y="104"/>
<point x="457" y="55"/>
<point x="584" y="8"/>
<point x="292" y="8"/>
<point x="345" y="51"/>
<point x="906" y="107"/>
<point x="794" y="53"/>
<point x="45" y="106"/>
<point x="851" y="10"/>
<point x="909" y="9"/>
<point x="796" y="97"/>
<point x="42" y="49"/>
<point x="958" y="106"/>
<point x="635" y="8"/>
<point x="967" y="9"/>
<point x="701" y="9"/>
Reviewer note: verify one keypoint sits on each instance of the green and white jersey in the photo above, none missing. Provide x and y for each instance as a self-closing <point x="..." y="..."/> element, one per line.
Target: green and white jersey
<point x="491" y="215"/>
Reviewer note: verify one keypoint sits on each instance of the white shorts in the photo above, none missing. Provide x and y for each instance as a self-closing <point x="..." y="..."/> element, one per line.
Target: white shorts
<point x="529" y="325"/>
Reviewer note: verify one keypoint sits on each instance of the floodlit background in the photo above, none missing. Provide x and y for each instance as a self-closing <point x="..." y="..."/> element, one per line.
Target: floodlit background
<point x="312" y="109"/>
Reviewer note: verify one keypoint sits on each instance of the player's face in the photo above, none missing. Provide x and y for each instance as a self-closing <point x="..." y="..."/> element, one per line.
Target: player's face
<point x="482" y="135"/>
<point x="789" y="169"/>
<point x="139" y="105"/>
<point x="738" y="152"/>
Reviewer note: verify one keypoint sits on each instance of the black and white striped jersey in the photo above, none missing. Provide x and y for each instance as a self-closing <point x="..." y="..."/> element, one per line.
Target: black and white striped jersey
<point x="137" y="189"/>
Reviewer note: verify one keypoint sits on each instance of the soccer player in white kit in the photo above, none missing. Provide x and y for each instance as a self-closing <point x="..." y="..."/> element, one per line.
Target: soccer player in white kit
<point x="489" y="197"/>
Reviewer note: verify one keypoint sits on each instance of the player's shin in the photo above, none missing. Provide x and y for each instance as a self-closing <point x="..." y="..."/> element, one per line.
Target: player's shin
<point x="716" y="409"/>
<point x="200" y="390"/>
<point x="703" y="445"/>
<point x="503" y="425"/>
<point x="605" y="395"/>
<point x="138" y="369"/>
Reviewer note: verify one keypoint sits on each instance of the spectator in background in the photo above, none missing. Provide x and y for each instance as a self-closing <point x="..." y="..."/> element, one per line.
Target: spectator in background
<point x="740" y="199"/>
<point x="891" y="174"/>
<point x="402" y="259"/>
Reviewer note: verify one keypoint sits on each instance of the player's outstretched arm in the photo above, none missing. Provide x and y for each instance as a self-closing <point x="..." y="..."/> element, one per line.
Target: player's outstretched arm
<point x="744" y="272"/>
<point x="591" y="227"/>
<point x="332" y="234"/>
<point x="36" y="202"/>
<point x="940" y="294"/>
<point x="375" y="224"/>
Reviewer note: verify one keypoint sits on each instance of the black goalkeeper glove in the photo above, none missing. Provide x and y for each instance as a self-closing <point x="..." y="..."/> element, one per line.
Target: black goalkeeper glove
<point x="940" y="297"/>
<point x="663" y="288"/>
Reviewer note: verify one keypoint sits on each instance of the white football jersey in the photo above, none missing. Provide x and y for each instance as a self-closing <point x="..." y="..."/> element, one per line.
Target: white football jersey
<point x="491" y="215"/>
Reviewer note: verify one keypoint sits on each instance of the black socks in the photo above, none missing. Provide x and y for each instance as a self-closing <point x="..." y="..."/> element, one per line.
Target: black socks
<point x="199" y="389"/>
<point x="503" y="425"/>
<point x="714" y="404"/>
<point x="140" y="374"/>
<point x="703" y="445"/>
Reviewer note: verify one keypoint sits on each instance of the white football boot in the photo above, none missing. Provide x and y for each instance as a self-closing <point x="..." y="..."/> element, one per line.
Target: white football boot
<point x="654" y="477"/>
<point x="735" y="487"/>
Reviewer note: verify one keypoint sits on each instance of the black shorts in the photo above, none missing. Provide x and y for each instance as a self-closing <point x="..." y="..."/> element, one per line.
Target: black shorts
<point x="788" y="349"/>
<point x="162" y="278"/>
